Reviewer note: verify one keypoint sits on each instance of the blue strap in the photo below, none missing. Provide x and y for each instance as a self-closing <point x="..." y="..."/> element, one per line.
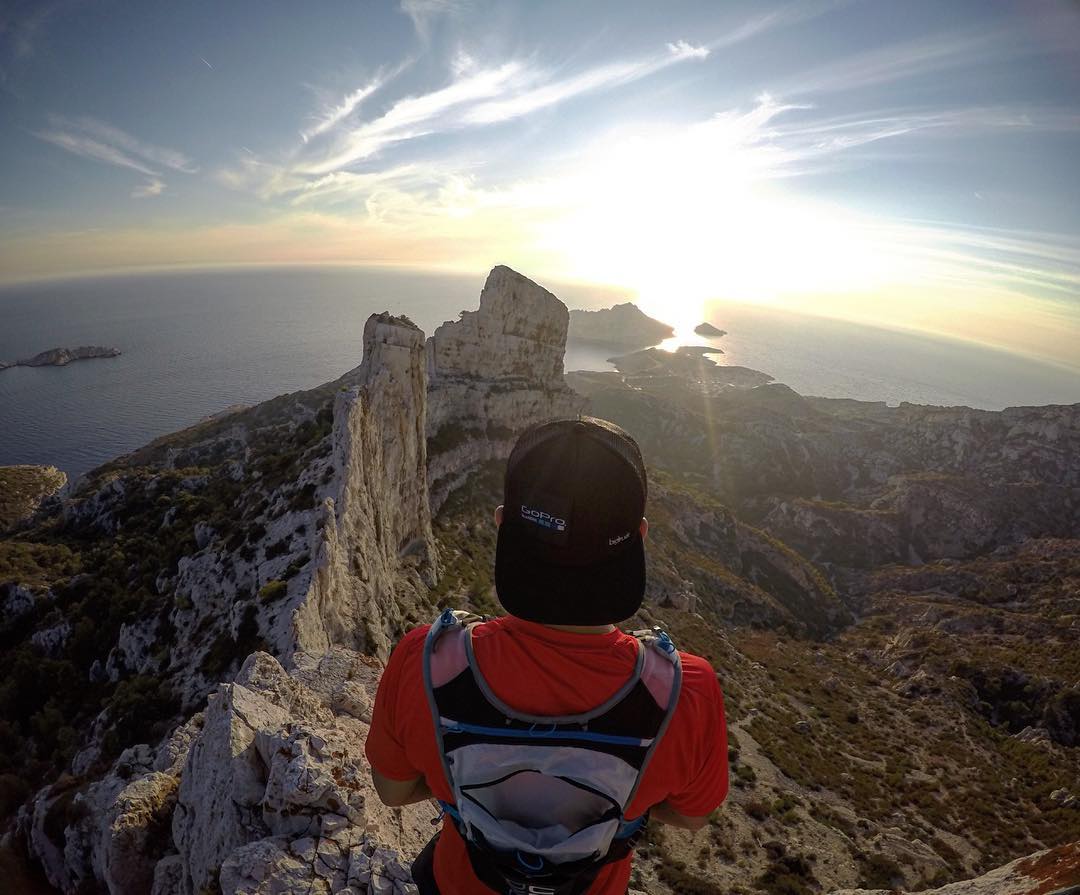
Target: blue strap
<point x="532" y="868"/>
<point x="629" y="827"/>
<point x="544" y="734"/>
<point x="448" y="808"/>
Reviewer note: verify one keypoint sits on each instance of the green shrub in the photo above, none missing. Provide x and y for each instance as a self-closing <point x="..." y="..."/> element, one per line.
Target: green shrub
<point x="272" y="590"/>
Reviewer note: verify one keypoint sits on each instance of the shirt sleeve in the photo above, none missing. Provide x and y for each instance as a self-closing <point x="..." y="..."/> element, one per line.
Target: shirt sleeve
<point x="385" y="747"/>
<point x="707" y="781"/>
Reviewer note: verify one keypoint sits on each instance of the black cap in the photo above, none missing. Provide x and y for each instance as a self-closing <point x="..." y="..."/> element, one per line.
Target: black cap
<point x="570" y="550"/>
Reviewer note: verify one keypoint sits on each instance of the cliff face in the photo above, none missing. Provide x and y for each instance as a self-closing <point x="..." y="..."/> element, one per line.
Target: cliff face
<point x="491" y="374"/>
<point x="376" y="557"/>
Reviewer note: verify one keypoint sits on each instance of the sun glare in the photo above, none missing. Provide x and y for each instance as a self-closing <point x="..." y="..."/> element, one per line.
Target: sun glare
<point x="685" y="217"/>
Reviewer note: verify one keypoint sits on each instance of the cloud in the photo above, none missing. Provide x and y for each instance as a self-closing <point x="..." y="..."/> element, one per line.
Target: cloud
<point x="479" y="94"/>
<point x="102" y="142"/>
<point x="424" y="12"/>
<point x="601" y="77"/>
<point x="815" y="139"/>
<point x="151" y="188"/>
<point x="683" y="50"/>
<point x="87" y="147"/>
<point x="334" y="116"/>
<point x="904" y="60"/>
<point x="475" y="97"/>
<point x="416" y="116"/>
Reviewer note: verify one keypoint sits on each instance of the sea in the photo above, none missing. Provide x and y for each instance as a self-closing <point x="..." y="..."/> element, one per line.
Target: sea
<point x="196" y="342"/>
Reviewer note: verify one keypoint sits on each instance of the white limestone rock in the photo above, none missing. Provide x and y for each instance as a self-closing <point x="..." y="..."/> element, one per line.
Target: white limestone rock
<point x="376" y="558"/>
<point x="51" y="640"/>
<point x="518" y="333"/>
<point x="492" y="374"/>
<point x="277" y="791"/>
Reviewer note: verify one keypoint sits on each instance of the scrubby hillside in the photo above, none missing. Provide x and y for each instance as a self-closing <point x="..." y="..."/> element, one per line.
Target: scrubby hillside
<point x="191" y="635"/>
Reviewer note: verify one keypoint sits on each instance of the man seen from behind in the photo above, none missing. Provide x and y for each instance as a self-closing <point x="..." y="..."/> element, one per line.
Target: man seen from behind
<point x="549" y="736"/>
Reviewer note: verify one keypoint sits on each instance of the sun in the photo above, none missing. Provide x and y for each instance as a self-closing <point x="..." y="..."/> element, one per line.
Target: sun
<point x="685" y="217"/>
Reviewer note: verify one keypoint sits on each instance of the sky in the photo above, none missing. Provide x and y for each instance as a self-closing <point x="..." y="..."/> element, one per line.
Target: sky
<point x="910" y="165"/>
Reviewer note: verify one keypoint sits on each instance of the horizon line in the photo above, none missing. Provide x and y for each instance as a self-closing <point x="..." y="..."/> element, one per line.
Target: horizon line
<point x="450" y="270"/>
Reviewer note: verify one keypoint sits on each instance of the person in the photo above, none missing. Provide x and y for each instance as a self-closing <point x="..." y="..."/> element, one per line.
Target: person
<point x="549" y="736"/>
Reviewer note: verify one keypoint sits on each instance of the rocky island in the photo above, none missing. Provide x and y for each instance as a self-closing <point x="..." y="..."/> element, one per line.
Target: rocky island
<point x="61" y="357"/>
<point x="621" y="326"/>
<point x="708" y="330"/>
<point x="190" y="639"/>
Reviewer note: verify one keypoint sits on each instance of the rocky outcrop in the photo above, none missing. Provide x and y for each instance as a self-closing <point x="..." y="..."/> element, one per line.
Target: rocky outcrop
<point x="620" y="326"/>
<point x="112" y="831"/>
<point x="1054" y="870"/>
<point x="518" y="334"/>
<point x="61" y="357"/>
<point x="276" y="794"/>
<point x="492" y="374"/>
<point x="268" y="791"/>
<point x="707" y="329"/>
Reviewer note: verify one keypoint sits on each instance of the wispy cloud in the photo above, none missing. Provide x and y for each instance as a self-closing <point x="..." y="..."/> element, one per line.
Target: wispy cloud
<point x="102" y="142"/>
<point x="479" y="94"/>
<point x="424" y="12"/>
<point x="683" y="50"/>
<point x="417" y="116"/>
<point x="153" y="187"/>
<point x="339" y="112"/>
<point x="601" y="77"/>
<point x="903" y="60"/>
<point x="476" y="96"/>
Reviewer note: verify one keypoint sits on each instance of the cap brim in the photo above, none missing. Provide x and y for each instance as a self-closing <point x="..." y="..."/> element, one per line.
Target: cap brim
<point x="598" y="594"/>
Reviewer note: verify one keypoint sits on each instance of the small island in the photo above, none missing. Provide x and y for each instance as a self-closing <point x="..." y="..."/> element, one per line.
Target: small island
<point x="709" y="331"/>
<point x="620" y="326"/>
<point x="61" y="357"/>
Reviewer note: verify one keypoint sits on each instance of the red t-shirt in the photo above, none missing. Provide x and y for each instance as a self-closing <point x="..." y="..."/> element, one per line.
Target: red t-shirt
<point x="542" y="671"/>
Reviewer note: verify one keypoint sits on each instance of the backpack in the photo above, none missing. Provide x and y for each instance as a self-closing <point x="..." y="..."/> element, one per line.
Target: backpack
<point x="541" y="801"/>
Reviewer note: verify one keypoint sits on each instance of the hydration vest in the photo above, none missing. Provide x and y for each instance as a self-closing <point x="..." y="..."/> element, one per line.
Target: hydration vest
<point x="541" y="801"/>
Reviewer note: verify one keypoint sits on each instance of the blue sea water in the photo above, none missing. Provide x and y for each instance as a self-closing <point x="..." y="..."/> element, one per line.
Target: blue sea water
<point x="195" y="342"/>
